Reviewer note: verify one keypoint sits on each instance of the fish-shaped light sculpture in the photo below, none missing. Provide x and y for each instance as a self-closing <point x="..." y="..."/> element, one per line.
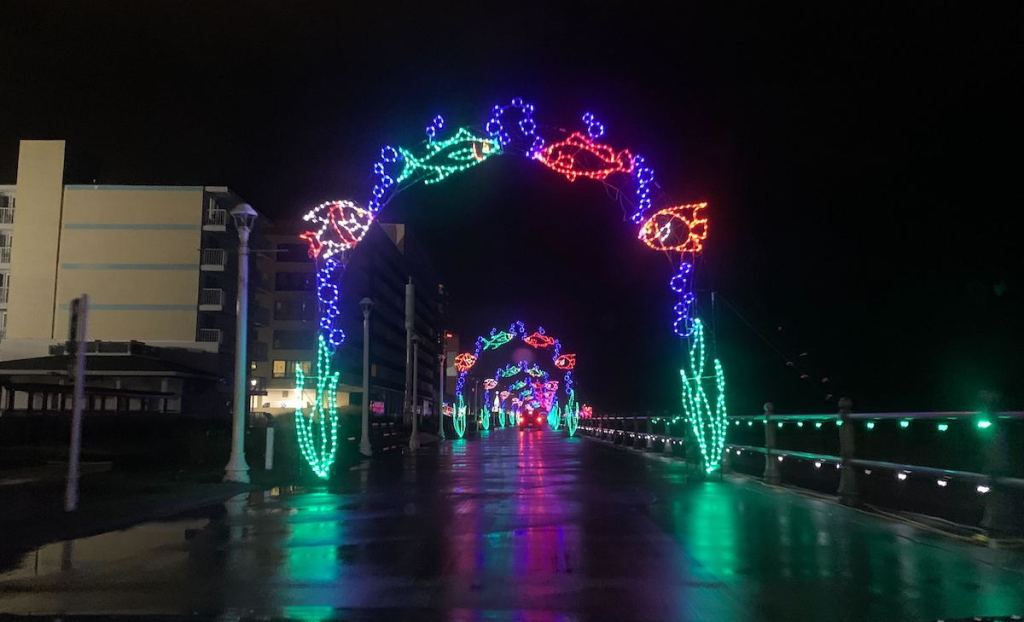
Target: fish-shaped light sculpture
<point x="535" y="371"/>
<point x="681" y="228"/>
<point x="497" y="339"/>
<point x="509" y="370"/>
<point x="539" y="340"/>
<point x="581" y="156"/>
<point x="445" y="157"/>
<point x="566" y="361"/>
<point x="465" y="361"/>
<point x="339" y="226"/>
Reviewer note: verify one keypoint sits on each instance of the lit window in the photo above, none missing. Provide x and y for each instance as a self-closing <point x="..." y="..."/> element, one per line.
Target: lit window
<point x="279" y="369"/>
<point x="305" y="366"/>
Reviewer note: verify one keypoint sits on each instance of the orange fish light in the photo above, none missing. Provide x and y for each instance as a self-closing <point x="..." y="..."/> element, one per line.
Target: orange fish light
<point x="681" y="228"/>
<point x="465" y="361"/>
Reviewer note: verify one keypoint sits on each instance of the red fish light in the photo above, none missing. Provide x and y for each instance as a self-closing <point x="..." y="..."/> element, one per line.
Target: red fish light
<point x="681" y="228"/>
<point x="490" y="383"/>
<point x="539" y="340"/>
<point x="561" y="157"/>
<point x="566" y="361"/>
<point x="465" y="361"/>
<point x="504" y="395"/>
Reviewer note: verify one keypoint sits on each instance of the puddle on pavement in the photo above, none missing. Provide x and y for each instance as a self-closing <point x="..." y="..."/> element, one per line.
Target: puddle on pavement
<point x="93" y="551"/>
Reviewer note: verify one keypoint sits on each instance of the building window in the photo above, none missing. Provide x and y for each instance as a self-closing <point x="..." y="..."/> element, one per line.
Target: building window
<point x="293" y="339"/>
<point x="286" y="369"/>
<point x="295" y="310"/>
<point x="293" y="253"/>
<point x="294" y="281"/>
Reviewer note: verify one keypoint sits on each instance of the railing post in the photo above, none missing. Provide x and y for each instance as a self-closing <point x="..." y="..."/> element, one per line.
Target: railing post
<point x="848" y="494"/>
<point x="668" y="435"/>
<point x="649" y="444"/>
<point x="999" y="519"/>
<point x="772" y="474"/>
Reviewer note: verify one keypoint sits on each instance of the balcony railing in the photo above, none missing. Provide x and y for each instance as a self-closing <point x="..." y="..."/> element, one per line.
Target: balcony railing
<point x="5" y="254"/>
<point x="3" y="294"/>
<point x="6" y="215"/>
<point x="213" y="259"/>
<point x="209" y="335"/>
<point x="211" y="299"/>
<point x="215" y="219"/>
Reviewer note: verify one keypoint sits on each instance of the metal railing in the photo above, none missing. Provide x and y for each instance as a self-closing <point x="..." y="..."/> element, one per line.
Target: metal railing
<point x="211" y="297"/>
<point x="4" y="293"/>
<point x="213" y="257"/>
<point x="6" y="215"/>
<point x="872" y="457"/>
<point x="215" y="217"/>
<point x="208" y="335"/>
<point x="5" y="254"/>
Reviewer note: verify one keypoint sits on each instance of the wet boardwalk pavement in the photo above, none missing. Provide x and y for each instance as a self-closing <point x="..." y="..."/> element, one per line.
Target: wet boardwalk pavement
<point x="531" y="527"/>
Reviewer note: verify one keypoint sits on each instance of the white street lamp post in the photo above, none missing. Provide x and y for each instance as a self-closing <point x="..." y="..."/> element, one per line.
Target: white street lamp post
<point x="440" y="395"/>
<point x="414" y="438"/>
<point x="237" y="470"/>
<point x="364" y="442"/>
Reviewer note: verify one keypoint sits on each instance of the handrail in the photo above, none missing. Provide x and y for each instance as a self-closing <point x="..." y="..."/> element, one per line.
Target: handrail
<point x="987" y="477"/>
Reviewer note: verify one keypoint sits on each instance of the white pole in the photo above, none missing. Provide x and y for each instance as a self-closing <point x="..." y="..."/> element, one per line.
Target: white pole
<point x="237" y="470"/>
<point x="410" y="313"/>
<point x="440" y="394"/>
<point x="80" y="309"/>
<point x="268" y="460"/>
<point x="414" y="438"/>
<point x="364" y="442"/>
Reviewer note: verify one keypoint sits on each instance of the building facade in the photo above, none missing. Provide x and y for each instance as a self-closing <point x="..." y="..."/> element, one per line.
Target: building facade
<point x="158" y="264"/>
<point x="386" y="259"/>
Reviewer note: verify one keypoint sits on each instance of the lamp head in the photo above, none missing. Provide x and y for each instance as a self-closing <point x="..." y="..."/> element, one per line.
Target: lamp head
<point x="366" y="304"/>
<point x="244" y="216"/>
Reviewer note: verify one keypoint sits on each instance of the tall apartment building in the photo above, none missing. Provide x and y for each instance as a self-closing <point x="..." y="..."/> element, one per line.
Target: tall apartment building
<point x="159" y="265"/>
<point x="7" y="202"/>
<point x="386" y="259"/>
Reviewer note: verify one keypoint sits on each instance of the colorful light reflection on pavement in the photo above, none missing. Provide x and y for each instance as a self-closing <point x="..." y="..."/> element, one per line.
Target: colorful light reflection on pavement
<point x="523" y="526"/>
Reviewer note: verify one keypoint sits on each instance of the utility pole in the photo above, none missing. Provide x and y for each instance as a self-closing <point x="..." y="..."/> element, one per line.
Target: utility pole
<point x="440" y="392"/>
<point x="364" y="443"/>
<point x="76" y="350"/>
<point x="414" y="437"/>
<point x="410" y="320"/>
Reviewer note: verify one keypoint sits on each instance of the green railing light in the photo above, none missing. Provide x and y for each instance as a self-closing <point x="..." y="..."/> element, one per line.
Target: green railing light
<point x="942" y="427"/>
<point x="817" y="425"/>
<point x="870" y="425"/>
<point x="905" y="424"/>
<point x="799" y="424"/>
<point x="984" y="424"/>
<point x="779" y="424"/>
<point x="750" y="424"/>
<point x="839" y="423"/>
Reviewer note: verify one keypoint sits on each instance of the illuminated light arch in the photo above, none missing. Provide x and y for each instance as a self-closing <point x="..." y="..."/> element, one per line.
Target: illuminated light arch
<point x="339" y="226"/>
<point x="496" y="339"/>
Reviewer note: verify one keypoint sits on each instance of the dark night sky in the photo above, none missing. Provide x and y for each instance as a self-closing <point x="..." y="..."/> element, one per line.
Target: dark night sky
<point x="861" y="167"/>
